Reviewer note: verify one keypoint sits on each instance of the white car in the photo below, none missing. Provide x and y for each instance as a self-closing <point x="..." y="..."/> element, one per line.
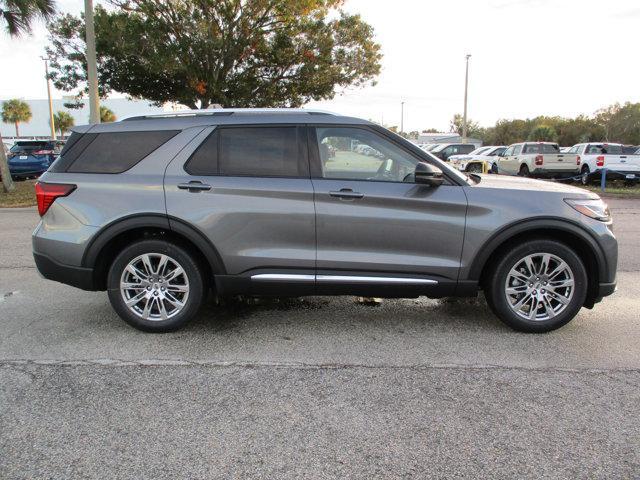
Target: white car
<point x="594" y="157"/>
<point x="473" y="162"/>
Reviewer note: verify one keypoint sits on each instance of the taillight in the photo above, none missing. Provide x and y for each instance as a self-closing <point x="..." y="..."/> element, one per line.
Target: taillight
<point x="600" y="161"/>
<point x="539" y="159"/>
<point x="46" y="193"/>
<point x="578" y="160"/>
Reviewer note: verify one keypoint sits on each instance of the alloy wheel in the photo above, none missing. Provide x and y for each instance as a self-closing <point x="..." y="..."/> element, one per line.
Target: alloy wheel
<point x="539" y="287"/>
<point x="154" y="287"/>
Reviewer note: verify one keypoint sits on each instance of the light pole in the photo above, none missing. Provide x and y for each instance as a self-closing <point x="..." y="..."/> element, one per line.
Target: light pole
<point x="466" y="87"/>
<point x="92" y="69"/>
<point x="401" y="117"/>
<point x="46" y="75"/>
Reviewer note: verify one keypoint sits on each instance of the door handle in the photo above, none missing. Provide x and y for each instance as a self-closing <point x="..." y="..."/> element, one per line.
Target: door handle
<point x="347" y="194"/>
<point x="194" y="186"/>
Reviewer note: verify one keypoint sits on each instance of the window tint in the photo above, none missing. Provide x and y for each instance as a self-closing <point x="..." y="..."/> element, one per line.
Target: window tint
<point x="467" y="148"/>
<point x="259" y="151"/>
<point x="359" y="154"/>
<point x="532" y="148"/>
<point x="115" y="152"/>
<point x="550" y="148"/>
<point x="517" y="149"/>
<point x="204" y="160"/>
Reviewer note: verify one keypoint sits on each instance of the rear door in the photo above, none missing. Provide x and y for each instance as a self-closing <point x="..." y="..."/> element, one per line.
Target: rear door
<point x="247" y="190"/>
<point x="373" y="220"/>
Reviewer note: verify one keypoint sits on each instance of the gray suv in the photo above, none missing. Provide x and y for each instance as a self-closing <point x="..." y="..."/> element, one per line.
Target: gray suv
<point x="161" y="210"/>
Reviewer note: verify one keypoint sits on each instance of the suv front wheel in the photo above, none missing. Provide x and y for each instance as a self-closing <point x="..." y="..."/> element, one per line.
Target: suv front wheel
<point x="539" y="286"/>
<point x="155" y="286"/>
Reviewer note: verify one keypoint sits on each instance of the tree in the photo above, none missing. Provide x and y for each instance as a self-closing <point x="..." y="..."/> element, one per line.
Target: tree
<point x="17" y="16"/>
<point x="250" y="53"/>
<point x="16" y="111"/>
<point x="64" y="121"/>
<point x="543" y="133"/>
<point x="106" y="115"/>
<point x="621" y="123"/>
<point x="474" y="130"/>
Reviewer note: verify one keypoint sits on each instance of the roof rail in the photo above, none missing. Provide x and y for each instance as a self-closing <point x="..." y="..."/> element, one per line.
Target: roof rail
<point x="225" y="112"/>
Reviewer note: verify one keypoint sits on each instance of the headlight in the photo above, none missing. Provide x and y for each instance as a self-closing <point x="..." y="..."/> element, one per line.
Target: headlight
<point x="591" y="208"/>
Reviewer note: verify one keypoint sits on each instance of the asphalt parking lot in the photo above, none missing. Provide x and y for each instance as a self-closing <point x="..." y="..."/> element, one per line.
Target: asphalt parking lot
<point x="314" y="388"/>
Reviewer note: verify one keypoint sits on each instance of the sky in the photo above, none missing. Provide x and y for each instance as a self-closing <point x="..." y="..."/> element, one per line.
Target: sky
<point x="529" y="58"/>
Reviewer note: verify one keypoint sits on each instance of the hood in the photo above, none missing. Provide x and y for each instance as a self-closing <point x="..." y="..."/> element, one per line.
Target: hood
<point x="527" y="184"/>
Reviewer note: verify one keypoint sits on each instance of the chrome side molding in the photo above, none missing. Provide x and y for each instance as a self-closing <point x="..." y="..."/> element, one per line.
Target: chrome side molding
<point x="283" y="277"/>
<point x="364" y="279"/>
<point x="287" y="277"/>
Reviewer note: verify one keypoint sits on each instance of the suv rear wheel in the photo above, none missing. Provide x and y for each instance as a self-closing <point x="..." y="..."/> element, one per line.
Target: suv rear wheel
<point x="538" y="286"/>
<point x="155" y="286"/>
<point x="524" y="171"/>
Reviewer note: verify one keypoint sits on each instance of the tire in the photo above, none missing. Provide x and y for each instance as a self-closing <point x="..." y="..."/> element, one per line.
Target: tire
<point x="165" y="304"/>
<point x="585" y="173"/>
<point x="505" y="291"/>
<point x="494" y="168"/>
<point x="475" y="168"/>
<point x="524" y="171"/>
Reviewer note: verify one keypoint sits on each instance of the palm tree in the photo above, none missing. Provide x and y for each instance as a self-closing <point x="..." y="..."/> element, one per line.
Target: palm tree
<point x="16" y="111"/>
<point x="64" y="121"/>
<point x="106" y="115"/>
<point x="17" y="17"/>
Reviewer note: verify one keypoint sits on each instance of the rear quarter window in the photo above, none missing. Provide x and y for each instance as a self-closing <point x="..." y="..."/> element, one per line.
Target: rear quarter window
<point x="114" y="152"/>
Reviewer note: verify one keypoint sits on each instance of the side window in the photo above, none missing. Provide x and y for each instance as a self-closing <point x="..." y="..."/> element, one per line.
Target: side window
<point x="517" y="149"/>
<point x="204" y="161"/>
<point x="573" y="149"/>
<point x="508" y="152"/>
<point x="259" y="151"/>
<point x="498" y="152"/>
<point x="111" y="152"/>
<point x="359" y="154"/>
<point x="467" y="148"/>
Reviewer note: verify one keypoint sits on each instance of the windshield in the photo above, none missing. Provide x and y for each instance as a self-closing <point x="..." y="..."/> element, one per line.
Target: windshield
<point x="480" y="150"/>
<point x="28" y="147"/>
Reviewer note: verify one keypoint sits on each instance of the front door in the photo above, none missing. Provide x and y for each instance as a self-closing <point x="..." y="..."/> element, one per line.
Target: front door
<point x="373" y="219"/>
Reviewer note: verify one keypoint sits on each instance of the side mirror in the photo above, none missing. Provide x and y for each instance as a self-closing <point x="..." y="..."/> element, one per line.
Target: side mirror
<point x="428" y="174"/>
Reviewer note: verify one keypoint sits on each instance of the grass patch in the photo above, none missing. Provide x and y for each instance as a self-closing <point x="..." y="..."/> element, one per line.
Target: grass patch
<point x="23" y="196"/>
<point x="616" y="188"/>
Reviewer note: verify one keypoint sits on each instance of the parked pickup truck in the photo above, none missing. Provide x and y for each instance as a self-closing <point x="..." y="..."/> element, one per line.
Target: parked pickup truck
<point x="542" y="159"/>
<point x="596" y="156"/>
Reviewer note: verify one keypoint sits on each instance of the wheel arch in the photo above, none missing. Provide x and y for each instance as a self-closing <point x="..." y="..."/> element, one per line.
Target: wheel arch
<point x="570" y="234"/>
<point x="110" y="240"/>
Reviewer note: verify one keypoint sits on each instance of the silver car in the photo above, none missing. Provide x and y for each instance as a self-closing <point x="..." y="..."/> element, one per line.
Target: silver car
<point x="161" y="210"/>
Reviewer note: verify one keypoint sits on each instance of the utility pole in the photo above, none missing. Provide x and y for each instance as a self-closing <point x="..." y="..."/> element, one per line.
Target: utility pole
<point x="92" y="69"/>
<point x="46" y="73"/>
<point x="401" y="117"/>
<point x="466" y="87"/>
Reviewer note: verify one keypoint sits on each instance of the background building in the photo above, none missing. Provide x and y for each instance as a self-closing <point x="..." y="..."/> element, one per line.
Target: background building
<point x="38" y="126"/>
<point x="443" y="137"/>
